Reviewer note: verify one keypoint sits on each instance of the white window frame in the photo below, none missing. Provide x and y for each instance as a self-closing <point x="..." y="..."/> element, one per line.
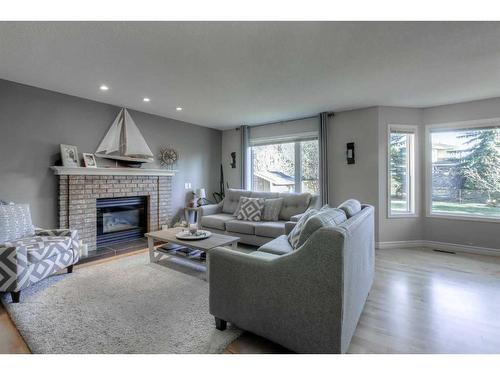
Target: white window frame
<point x="460" y="125"/>
<point x="413" y="158"/>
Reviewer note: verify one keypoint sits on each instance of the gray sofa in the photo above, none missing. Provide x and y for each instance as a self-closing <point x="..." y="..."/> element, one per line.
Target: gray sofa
<point x="308" y="299"/>
<point x="220" y="218"/>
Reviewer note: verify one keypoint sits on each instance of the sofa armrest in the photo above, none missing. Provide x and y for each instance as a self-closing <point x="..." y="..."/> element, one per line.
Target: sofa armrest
<point x="15" y="260"/>
<point x="289" y="225"/>
<point x="296" y="218"/>
<point x="221" y="257"/>
<point x="315" y="202"/>
<point x="235" y="276"/>
<point x="54" y="232"/>
<point x="75" y="239"/>
<point x="209" y="209"/>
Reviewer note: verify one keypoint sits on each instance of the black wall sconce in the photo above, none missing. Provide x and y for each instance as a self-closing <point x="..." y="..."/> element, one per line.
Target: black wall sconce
<point x="350" y="153"/>
<point x="233" y="160"/>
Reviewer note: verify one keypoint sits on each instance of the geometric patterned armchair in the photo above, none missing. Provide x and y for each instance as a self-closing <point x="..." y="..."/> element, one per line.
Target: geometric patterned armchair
<point x="29" y="254"/>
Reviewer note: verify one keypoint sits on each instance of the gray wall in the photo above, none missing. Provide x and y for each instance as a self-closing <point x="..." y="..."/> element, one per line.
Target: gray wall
<point x="33" y="122"/>
<point x="231" y="142"/>
<point x="359" y="180"/>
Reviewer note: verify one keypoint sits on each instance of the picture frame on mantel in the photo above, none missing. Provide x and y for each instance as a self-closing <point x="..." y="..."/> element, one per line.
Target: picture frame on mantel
<point x="89" y="160"/>
<point x="69" y="156"/>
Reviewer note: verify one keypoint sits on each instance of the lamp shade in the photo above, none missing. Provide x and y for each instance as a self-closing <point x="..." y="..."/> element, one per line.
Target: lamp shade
<point x="200" y="193"/>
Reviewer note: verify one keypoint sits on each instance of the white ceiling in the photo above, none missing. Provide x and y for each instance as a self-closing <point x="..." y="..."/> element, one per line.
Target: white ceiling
<point x="225" y="74"/>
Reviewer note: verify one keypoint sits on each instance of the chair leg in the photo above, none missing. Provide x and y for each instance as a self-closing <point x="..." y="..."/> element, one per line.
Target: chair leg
<point x="220" y="324"/>
<point x="16" y="296"/>
<point x="70" y="269"/>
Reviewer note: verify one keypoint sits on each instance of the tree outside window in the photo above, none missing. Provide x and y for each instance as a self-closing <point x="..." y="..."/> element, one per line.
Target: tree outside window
<point x="466" y="172"/>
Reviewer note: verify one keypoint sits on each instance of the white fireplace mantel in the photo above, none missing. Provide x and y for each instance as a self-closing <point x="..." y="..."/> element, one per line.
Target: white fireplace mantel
<point x="82" y="171"/>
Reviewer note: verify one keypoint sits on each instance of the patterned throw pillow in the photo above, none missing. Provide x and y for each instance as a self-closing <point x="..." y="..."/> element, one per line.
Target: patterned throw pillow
<point x="326" y="217"/>
<point x="351" y="207"/>
<point x="272" y="208"/>
<point x="250" y="209"/>
<point x="294" y="235"/>
<point x="15" y="222"/>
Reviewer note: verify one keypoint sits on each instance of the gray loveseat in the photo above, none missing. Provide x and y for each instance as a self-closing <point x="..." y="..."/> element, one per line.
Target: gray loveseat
<point x="220" y="218"/>
<point x="308" y="299"/>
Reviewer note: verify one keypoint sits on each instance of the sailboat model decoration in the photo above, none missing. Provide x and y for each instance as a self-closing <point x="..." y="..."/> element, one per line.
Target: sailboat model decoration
<point x="124" y="142"/>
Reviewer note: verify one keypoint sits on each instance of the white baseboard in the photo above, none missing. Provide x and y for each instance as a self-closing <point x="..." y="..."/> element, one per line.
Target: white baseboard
<point x="399" y="244"/>
<point x="439" y="246"/>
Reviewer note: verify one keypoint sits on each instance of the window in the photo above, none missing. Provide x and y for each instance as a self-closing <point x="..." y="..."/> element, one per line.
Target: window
<point x="286" y="167"/>
<point x="401" y="170"/>
<point x="464" y="171"/>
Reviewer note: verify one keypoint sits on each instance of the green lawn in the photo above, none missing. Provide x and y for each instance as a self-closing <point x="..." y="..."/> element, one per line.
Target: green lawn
<point x="477" y="209"/>
<point x="398" y="205"/>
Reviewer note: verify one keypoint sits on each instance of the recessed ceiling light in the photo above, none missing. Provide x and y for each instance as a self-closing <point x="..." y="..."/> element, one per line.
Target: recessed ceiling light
<point x="104" y="88"/>
<point x="178" y="109"/>
<point x="145" y="99"/>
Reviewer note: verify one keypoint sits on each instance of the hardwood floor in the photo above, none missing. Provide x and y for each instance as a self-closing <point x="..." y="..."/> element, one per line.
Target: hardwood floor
<point x="421" y="302"/>
<point x="10" y="340"/>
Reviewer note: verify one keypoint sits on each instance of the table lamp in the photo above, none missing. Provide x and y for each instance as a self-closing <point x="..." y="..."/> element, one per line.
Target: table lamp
<point x="201" y="194"/>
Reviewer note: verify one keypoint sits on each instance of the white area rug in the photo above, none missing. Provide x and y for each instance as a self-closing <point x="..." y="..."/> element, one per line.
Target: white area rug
<point x="122" y="306"/>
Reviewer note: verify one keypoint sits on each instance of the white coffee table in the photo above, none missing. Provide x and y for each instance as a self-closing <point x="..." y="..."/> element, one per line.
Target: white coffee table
<point x="205" y="245"/>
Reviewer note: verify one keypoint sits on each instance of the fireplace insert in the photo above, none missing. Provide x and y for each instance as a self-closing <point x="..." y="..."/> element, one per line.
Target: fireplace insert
<point x="120" y="219"/>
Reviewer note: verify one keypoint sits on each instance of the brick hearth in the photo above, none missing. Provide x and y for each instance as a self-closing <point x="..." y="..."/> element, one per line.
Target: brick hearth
<point x="78" y="194"/>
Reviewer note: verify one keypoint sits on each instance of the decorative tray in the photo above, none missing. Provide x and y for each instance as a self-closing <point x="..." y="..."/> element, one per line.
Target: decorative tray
<point x="199" y="235"/>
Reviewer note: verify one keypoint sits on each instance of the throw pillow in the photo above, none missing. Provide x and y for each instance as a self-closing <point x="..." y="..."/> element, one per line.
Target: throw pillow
<point x="351" y="207"/>
<point x="272" y="208"/>
<point x="326" y="217"/>
<point x="293" y="236"/>
<point x="15" y="222"/>
<point x="250" y="209"/>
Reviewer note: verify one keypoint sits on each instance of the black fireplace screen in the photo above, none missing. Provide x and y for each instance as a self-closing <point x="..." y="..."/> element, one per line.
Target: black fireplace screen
<point x="121" y="219"/>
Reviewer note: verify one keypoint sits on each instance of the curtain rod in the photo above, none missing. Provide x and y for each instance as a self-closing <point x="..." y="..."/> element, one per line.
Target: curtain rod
<point x="289" y="120"/>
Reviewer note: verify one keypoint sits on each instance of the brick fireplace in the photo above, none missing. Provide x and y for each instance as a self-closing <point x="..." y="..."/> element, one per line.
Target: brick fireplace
<point x="80" y="188"/>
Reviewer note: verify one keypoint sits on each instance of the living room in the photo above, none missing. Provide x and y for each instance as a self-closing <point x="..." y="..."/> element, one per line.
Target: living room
<point x="194" y="187"/>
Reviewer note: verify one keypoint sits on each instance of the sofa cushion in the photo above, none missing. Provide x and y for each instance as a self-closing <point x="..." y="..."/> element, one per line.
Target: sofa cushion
<point x="294" y="235"/>
<point x="241" y="226"/>
<point x="270" y="229"/>
<point x="216" y="221"/>
<point x="264" y="194"/>
<point x="250" y="209"/>
<point x="15" y="222"/>
<point x="272" y="208"/>
<point x="278" y="246"/>
<point x="294" y="204"/>
<point x="39" y="248"/>
<point x="351" y="207"/>
<point x="326" y="217"/>
<point x="232" y="198"/>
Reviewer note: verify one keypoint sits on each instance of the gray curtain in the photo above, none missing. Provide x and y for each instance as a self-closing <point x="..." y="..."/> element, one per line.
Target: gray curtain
<point x="323" y="157"/>
<point x="245" y="158"/>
